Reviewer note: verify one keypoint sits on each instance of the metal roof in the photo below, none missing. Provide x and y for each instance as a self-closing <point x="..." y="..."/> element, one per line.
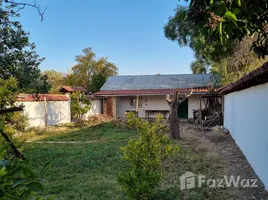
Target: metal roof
<point x="144" y="82"/>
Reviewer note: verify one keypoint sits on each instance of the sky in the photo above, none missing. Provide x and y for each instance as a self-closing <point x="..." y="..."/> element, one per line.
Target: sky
<point x="128" y="32"/>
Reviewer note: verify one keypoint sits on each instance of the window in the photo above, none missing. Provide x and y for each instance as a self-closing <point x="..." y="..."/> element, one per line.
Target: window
<point x="133" y="102"/>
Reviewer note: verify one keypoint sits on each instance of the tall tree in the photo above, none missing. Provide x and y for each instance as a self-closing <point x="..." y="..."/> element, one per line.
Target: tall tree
<point x="198" y="67"/>
<point x="17" y="55"/>
<point x="229" y="58"/>
<point x="181" y="29"/>
<point x="90" y="71"/>
<point x="232" y="20"/>
<point x="241" y="62"/>
<point x="56" y="79"/>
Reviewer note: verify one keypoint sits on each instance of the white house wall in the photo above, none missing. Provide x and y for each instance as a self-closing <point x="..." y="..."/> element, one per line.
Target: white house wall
<point x="157" y="102"/>
<point x="245" y="116"/>
<point x="58" y="112"/>
<point x="193" y="104"/>
<point x="95" y="109"/>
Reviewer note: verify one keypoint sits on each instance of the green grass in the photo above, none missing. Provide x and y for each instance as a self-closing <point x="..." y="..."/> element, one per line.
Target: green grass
<point x="88" y="171"/>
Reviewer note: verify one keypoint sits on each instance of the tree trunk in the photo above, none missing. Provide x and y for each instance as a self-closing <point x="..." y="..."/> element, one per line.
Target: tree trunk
<point x="174" y="121"/>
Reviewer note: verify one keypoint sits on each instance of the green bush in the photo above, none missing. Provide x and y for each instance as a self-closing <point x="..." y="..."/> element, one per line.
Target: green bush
<point x="18" y="180"/>
<point x="145" y="156"/>
<point x="17" y="141"/>
<point x="80" y="105"/>
<point x="19" y="121"/>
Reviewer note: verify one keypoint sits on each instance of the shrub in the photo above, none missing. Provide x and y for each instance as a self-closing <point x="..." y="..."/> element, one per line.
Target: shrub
<point x="18" y="180"/>
<point x="19" y="121"/>
<point x="17" y="141"/>
<point x="80" y="105"/>
<point x="145" y="156"/>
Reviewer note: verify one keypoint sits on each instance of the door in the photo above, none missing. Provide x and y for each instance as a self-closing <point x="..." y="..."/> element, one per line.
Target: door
<point x="109" y="102"/>
<point x="183" y="110"/>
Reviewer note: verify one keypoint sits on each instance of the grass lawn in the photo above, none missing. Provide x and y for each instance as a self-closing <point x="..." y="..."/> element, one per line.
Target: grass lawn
<point x="88" y="170"/>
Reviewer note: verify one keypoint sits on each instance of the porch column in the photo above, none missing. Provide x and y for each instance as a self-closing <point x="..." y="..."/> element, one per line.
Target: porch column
<point x="114" y="107"/>
<point x="104" y="105"/>
<point x="137" y="105"/>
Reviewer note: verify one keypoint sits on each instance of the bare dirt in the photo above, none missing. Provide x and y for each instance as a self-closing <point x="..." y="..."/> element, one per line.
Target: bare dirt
<point x="233" y="160"/>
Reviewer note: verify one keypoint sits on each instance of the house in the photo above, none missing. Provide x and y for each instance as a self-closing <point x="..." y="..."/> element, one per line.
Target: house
<point x="146" y="94"/>
<point x="71" y="89"/>
<point x="58" y="108"/>
<point x="246" y="117"/>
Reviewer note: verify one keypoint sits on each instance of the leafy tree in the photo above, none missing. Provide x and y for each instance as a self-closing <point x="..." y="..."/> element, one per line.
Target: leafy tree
<point x="241" y="62"/>
<point x="181" y="29"/>
<point x="230" y="58"/>
<point x="232" y="20"/>
<point x="80" y="105"/>
<point x="145" y="156"/>
<point x="97" y="82"/>
<point x="19" y="72"/>
<point x="198" y="67"/>
<point x="18" y="57"/>
<point x="56" y="80"/>
<point x="88" y="66"/>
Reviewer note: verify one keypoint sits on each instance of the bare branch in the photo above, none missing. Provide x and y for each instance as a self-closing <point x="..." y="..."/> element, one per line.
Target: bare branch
<point x="190" y="93"/>
<point x="186" y="96"/>
<point x="13" y="147"/>
<point x="34" y="5"/>
<point x="14" y="109"/>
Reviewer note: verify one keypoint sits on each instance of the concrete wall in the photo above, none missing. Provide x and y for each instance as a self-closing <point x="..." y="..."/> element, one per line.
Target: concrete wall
<point x="245" y="116"/>
<point x="58" y="112"/>
<point x="152" y="103"/>
<point x="193" y="103"/>
<point x="95" y="109"/>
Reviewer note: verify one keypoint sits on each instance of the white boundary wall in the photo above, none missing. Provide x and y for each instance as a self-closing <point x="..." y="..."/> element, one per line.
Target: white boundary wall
<point x="96" y="108"/>
<point x="246" y="117"/>
<point x="59" y="112"/>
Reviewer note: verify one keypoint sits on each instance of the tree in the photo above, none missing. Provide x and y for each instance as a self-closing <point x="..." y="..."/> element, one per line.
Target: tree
<point x="198" y="67"/>
<point x="145" y="156"/>
<point x="18" y="57"/>
<point x="19" y="70"/>
<point x="80" y="105"/>
<point x="231" y="59"/>
<point x="56" y="80"/>
<point x="241" y="62"/>
<point x="173" y="116"/>
<point x="88" y="66"/>
<point x="232" y="20"/>
<point x="181" y="29"/>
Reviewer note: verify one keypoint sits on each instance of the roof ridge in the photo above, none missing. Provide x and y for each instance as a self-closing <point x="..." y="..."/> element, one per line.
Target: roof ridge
<point x="160" y="75"/>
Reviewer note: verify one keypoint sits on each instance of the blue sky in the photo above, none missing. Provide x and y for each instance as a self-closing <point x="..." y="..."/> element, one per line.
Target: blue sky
<point x="130" y="33"/>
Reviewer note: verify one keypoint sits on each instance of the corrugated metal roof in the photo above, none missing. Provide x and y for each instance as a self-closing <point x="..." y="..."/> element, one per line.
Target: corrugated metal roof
<point x="144" y="82"/>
